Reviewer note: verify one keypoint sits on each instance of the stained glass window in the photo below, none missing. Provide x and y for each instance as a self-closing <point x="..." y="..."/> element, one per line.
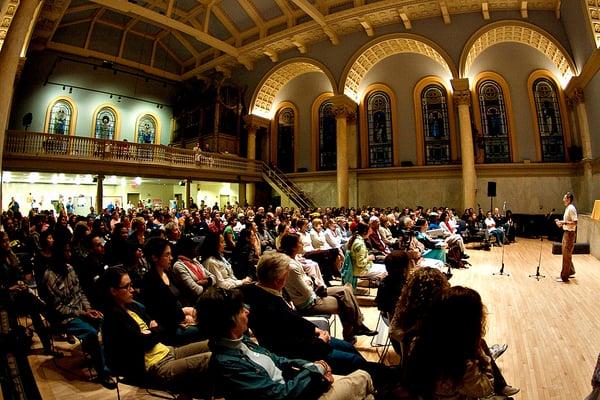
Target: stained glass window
<point x="379" y="122"/>
<point x="496" y="140"/>
<point x="549" y="120"/>
<point x="106" y="121"/>
<point x="60" y="118"/>
<point x="285" y="139"/>
<point x="436" y="127"/>
<point x="146" y="129"/>
<point x="327" y="137"/>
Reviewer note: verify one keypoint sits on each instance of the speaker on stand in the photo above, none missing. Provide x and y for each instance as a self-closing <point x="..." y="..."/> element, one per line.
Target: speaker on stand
<point x="491" y="192"/>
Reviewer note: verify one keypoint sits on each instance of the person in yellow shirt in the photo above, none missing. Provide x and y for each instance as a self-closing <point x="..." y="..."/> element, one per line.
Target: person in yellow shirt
<point x="133" y="347"/>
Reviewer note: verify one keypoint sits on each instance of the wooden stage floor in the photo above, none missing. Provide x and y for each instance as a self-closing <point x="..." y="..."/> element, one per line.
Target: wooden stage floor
<point x="552" y="329"/>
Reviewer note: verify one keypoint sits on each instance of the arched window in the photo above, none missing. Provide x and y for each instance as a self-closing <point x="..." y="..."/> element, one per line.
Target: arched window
<point x="436" y="126"/>
<point x="61" y="115"/>
<point x="105" y="125"/>
<point x="285" y="139"/>
<point x="549" y="120"/>
<point x="146" y="129"/>
<point x="496" y="140"/>
<point x="379" y="126"/>
<point x="327" y="137"/>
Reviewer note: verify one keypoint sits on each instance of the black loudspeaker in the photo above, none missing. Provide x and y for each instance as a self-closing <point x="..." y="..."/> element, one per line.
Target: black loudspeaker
<point x="491" y="189"/>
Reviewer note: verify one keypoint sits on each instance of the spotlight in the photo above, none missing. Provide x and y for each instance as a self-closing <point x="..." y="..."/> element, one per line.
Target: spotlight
<point x="64" y="87"/>
<point x="119" y="99"/>
<point x="71" y="90"/>
<point x="158" y="106"/>
<point x="111" y="96"/>
<point x="181" y="183"/>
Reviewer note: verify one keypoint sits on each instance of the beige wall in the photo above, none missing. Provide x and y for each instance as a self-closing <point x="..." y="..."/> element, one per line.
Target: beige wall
<point x="523" y="187"/>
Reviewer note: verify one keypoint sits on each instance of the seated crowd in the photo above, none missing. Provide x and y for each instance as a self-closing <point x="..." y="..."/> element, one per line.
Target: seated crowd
<point x="202" y="301"/>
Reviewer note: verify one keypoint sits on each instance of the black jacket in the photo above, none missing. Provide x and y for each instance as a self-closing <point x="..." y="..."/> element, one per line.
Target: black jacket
<point x="281" y="329"/>
<point x="162" y="303"/>
<point x="124" y="343"/>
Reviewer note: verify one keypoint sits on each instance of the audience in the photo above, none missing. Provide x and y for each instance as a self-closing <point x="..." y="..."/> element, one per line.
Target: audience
<point x="289" y="285"/>
<point x="248" y="371"/>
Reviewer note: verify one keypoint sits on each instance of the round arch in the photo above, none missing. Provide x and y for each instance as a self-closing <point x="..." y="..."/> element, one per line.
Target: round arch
<point x="542" y="73"/>
<point x="386" y="46"/>
<point x="274" y="132"/>
<point x="277" y="77"/>
<point x="499" y="79"/>
<point x="420" y="135"/>
<point x="111" y="107"/>
<point x="314" y="128"/>
<point x="518" y="32"/>
<point x="71" y="104"/>
<point x="156" y="121"/>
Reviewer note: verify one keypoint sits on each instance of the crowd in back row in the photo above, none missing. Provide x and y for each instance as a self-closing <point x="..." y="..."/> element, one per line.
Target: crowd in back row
<point x="167" y="261"/>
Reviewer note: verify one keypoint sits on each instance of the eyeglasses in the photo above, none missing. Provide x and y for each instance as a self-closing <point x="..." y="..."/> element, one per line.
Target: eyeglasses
<point x="125" y="287"/>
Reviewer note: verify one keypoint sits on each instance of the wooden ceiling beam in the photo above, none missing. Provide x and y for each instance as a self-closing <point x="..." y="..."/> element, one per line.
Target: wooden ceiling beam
<point x="406" y="21"/>
<point x="287" y="12"/>
<point x="445" y="13"/>
<point x="78" y="51"/>
<point x="254" y="16"/>
<point x="485" y="10"/>
<point x="168" y="23"/>
<point x="312" y="12"/>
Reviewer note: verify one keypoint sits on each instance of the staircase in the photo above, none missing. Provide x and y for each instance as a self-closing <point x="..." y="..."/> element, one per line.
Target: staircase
<point x="285" y="187"/>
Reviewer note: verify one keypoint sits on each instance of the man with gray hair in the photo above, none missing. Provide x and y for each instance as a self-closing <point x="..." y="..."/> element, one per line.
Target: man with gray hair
<point x="281" y="329"/>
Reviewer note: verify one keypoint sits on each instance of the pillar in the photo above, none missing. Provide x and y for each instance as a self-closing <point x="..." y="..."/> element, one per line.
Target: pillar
<point x="251" y="155"/>
<point x="99" y="193"/>
<point x="344" y="110"/>
<point x="188" y="193"/>
<point x="586" y="197"/>
<point x="25" y="17"/>
<point x="462" y="97"/>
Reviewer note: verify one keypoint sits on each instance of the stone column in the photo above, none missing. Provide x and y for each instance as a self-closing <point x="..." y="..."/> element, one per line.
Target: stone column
<point x="587" y="196"/>
<point x="253" y="123"/>
<point x="188" y="192"/>
<point x="14" y="42"/>
<point x="462" y="97"/>
<point x="344" y="110"/>
<point x="99" y="193"/>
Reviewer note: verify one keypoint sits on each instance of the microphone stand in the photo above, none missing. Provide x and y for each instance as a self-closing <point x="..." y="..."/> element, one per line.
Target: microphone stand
<point x="537" y="274"/>
<point x="502" y="273"/>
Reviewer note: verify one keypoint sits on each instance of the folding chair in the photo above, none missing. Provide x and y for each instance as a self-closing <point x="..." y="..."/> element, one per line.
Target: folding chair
<point x="382" y="339"/>
<point x="348" y="276"/>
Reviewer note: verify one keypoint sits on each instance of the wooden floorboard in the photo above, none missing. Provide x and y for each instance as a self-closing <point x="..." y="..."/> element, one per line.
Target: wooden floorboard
<point x="552" y="329"/>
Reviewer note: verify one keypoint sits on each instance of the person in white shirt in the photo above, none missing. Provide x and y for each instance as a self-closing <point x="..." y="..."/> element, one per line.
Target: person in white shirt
<point x="569" y="226"/>
<point x="490" y="223"/>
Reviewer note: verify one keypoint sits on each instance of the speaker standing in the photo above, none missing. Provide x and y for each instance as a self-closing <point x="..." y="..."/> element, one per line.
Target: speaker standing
<point x="569" y="226"/>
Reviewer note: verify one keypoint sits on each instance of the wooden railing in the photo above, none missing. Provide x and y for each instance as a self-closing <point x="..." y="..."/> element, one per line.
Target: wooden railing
<point x="37" y="144"/>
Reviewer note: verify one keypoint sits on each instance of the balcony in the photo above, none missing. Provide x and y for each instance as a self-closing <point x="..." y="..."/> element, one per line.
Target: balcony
<point x="36" y="151"/>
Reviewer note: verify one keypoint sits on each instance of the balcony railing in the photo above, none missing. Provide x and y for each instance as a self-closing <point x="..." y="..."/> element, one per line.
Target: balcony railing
<point x="36" y="144"/>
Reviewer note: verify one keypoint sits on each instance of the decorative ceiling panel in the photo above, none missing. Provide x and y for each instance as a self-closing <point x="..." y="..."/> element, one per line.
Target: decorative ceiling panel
<point x="236" y="13"/>
<point x="105" y="39"/>
<point x="272" y="86"/>
<point x="78" y="16"/>
<point x="384" y="49"/>
<point x="115" y="17"/>
<point x="267" y="10"/>
<point x="525" y="35"/>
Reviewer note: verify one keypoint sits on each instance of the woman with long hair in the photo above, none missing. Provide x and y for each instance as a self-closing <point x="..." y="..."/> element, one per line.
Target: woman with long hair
<point x="161" y="296"/>
<point x="244" y="257"/>
<point x="213" y="260"/>
<point x="133" y="341"/>
<point x="460" y="370"/>
<point x="362" y="261"/>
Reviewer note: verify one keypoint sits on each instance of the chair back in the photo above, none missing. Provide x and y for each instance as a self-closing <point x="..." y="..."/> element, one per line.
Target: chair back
<point x="347" y="271"/>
